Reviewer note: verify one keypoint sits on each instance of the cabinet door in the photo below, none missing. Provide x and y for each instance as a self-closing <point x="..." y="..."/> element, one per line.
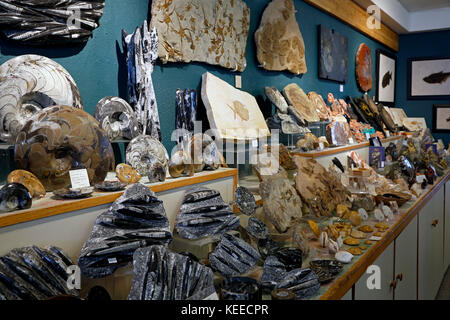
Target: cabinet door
<point x="385" y="262"/>
<point x="447" y="226"/>
<point x="406" y="263"/>
<point x="431" y="243"/>
<point x="348" y="295"/>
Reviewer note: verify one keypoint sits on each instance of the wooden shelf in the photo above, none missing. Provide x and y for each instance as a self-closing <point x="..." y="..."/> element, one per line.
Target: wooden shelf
<point x="50" y="206"/>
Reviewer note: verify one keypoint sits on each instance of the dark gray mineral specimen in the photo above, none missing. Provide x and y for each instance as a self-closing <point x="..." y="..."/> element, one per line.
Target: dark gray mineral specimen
<point x="160" y="274"/>
<point x="245" y="200"/>
<point x="137" y="219"/>
<point x="273" y="272"/>
<point x="204" y="213"/>
<point x="303" y="282"/>
<point x="257" y="229"/>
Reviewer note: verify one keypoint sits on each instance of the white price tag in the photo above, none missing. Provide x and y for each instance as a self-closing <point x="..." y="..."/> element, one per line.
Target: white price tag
<point x="388" y="134"/>
<point x="321" y="147"/>
<point x="382" y="164"/>
<point x="239" y="82"/>
<point x="255" y="143"/>
<point x="112" y="260"/>
<point x="79" y="178"/>
<point x="367" y="135"/>
<point x="351" y="141"/>
<point x="341" y="88"/>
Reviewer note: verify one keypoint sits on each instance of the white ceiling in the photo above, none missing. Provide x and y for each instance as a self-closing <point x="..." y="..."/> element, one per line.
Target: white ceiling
<point x="423" y="5"/>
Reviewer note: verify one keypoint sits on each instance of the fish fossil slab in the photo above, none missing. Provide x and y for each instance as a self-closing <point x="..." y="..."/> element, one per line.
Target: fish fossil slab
<point x="233" y="256"/>
<point x="59" y="139"/>
<point x="33" y="273"/>
<point x="117" y="118"/>
<point x="51" y="21"/>
<point x="136" y="219"/>
<point x="437" y="78"/>
<point x="160" y="274"/>
<point x="204" y="213"/>
<point x="28" y="84"/>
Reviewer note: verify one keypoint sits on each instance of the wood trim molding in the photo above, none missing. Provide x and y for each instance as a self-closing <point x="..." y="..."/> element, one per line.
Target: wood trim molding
<point x="48" y="207"/>
<point x="345" y="282"/>
<point x="352" y="14"/>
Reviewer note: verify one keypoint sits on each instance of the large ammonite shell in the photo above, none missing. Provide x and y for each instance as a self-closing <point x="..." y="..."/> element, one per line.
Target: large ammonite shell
<point x="28" y="84"/>
<point x="364" y="67"/>
<point x="117" y="118"/>
<point x="147" y="155"/>
<point x="59" y="139"/>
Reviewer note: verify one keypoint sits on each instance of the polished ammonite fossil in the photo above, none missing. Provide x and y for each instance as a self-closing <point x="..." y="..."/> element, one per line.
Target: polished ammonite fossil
<point x="59" y="139"/>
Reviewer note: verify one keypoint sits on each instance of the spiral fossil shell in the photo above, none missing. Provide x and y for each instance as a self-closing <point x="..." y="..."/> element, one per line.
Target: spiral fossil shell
<point x="28" y="84"/>
<point x="145" y="153"/>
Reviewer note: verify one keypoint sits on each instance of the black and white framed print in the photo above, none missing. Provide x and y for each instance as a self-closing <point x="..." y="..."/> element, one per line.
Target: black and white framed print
<point x="429" y="78"/>
<point x="441" y="118"/>
<point x="386" y="75"/>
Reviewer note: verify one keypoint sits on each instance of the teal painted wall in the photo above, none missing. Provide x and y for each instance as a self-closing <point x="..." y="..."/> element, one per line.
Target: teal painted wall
<point x="421" y="45"/>
<point x="99" y="70"/>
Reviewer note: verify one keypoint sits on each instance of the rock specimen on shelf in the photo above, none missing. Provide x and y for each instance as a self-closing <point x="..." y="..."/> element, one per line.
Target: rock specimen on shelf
<point x="59" y="139"/>
<point x="281" y="203"/>
<point x="204" y="31"/>
<point x="50" y="22"/>
<point x="233" y="113"/>
<point x="245" y="200"/>
<point x="257" y="229"/>
<point x="14" y="196"/>
<point x="29" y="180"/>
<point x="241" y="288"/>
<point x="281" y="152"/>
<point x="149" y="157"/>
<point x="110" y="186"/>
<point x="297" y="98"/>
<point x="277" y="99"/>
<point x="273" y="272"/>
<point x="279" y="42"/>
<point x="309" y="142"/>
<point x="233" y="256"/>
<point x="319" y="189"/>
<point x="141" y="51"/>
<point x="185" y="114"/>
<point x="292" y="258"/>
<point x="337" y="134"/>
<point x="364" y="67"/>
<point x="319" y="104"/>
<point x="28" y="84"/>
<point x="181" y="164"/>
<point x="326" y="270"/>
<point x="33" y="273"/>
<point x="303" y="282"/>
<point x="136" y="219"/>
<point x="267" y="247"/>
<point x="343" y="256"/>
<point x="70" y="193"/>
<point x="117" y="118"/>
<point x="204" y="213"/>
<point x="159" y="274"/>
<point x="126" y="174"/>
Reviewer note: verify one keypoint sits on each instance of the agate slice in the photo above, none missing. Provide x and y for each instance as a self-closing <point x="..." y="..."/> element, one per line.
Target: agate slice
<point x="279" y="42"/>
<point x="277" y="99"/>
<point x="364" y="67"/>
<point x="319" y="104"/>
<point x="50" y="22"/>
<point x="29" y="180"/>
<point x="117" y="118"/>
<point x="303" y="282"/>
<point x="70" y="193"/>
<point x="30" y="83"/>
<point x="160" y="274"/>
<point x="233" y="256"/>
<point x="204" y="213"/>
<point x="33" y="273"/>
<point x="136" y="219"/>
<point x="245" y="200"/>
<point x="14" y="196"/>
<point x="300" y="101"/>
<point x="149" y="157"/>
<point x="126" y="174"/>
<point x="59" y="139"/>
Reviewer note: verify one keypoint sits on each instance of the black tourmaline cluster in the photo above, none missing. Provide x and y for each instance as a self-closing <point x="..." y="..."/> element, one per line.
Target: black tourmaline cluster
<point x="137" y="219"/>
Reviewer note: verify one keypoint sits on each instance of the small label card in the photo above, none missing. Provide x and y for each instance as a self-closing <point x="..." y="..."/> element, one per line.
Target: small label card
<point x="351" y="141"/>
<point x="79" y="178"/>
<point x="321" y="146"/>
<point x="367" y="136"/>
<point x="255" y="143"/>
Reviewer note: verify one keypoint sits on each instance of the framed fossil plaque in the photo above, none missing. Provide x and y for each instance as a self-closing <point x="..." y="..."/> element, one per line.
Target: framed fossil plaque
<point x="429" y="78"/>
<point x="333" y="55"/>
<point x="441" y="118"/>
<point x="386" y="76"/>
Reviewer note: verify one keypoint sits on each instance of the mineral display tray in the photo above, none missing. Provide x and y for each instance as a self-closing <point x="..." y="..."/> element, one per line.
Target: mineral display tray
<point x="47" y="206"/>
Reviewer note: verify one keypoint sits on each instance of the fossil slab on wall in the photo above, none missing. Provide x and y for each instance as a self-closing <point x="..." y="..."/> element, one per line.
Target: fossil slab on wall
<point x="280" y="44"/>
<point x="208" y="31"/>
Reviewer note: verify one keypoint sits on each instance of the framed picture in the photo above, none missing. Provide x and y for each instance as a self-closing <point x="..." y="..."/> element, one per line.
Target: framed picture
<point x="333" y="55"/>
<point x="429" y="78"/>
<point x="441" y="118"/>
<point x="386" y="76"/>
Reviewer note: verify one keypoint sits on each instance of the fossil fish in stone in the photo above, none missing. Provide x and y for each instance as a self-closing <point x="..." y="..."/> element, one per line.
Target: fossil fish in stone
<point x="126" y="174"/>
<point x="14" y="196"/>
<point x="387" y="79"/>
<point x="136" y="219"/>
<point x="303" y="282"/>
<point x="233" y="256"/>
<point x="117" y="118"/>
<point x="59" y="139"/>
<point x="160" y="274"/>
<point x="50" y="22"/>
<point x="437" y="78"/>
<point x="204" y="213"/>
<point x="30" y="83"/>
<point x="29" y="180"/>
<point x="149" y="157"/>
